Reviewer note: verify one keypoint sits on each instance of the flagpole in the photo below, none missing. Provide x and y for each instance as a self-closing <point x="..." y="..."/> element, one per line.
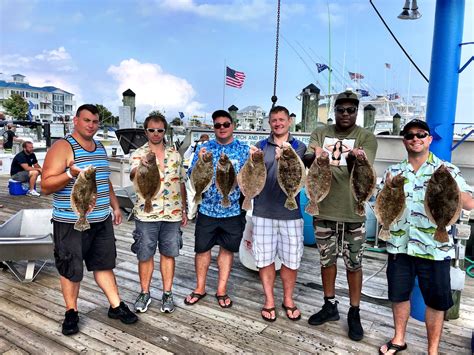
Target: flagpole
<point x="223" y="88"/>
<point x="385" y="79"/>
<point x="330" y="66"/>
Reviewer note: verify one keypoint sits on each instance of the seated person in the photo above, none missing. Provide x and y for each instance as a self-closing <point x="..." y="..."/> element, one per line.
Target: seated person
<point x="25" y="168"/>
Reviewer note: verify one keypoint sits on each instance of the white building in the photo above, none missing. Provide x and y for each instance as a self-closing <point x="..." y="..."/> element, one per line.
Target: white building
<point x="46" y="103"/>
<point x="251" y="118"/>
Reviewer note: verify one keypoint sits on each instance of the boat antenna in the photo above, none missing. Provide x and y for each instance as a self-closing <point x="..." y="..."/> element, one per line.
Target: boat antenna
<point x="399" y="44"/>
<point x="274" y="97"/>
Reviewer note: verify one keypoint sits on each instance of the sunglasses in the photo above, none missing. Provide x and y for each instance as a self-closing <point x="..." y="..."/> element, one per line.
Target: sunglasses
<point x="153" y="130"/>
<point x="219" y="125"/>
<point x="349" y="110"/>
<point x="419" y="135"/>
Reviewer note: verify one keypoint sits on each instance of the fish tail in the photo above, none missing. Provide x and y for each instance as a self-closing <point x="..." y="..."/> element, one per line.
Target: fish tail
<point x="384" y="234"/>
<point x="82" y="224"/>
<point x="441" y="235"/>
<point x="291" y="203"/>
<point x="312" y="208"/>
<point x="225" y="201"/>
<point x="247" y="205"/>
<point x="148" y="206"/>
<point x="360" y="209"/>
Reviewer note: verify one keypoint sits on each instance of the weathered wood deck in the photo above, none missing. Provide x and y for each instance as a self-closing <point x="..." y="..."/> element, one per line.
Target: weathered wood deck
<point x="31" y="313"/>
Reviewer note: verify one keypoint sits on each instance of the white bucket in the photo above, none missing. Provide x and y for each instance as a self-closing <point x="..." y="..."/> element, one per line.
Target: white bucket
<point x="458" y="278"/>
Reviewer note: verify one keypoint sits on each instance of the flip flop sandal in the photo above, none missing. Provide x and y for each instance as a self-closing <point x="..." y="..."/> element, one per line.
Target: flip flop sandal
<point x="292" y="310"/>
<point x="268" y="310"/>
<point x="223" y="298"/>
<point x="199" y="296"/>
<point x="392" y="346"/>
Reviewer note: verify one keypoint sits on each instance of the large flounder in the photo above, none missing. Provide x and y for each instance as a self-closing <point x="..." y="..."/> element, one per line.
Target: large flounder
<point x="147" y="181"/>
<point x="442" y="202"/>
<point x="290" y="175"/>
<point x="252" y="178"/>
<point x="318" y="182"/>
<point x="226" y="179"/>
<point x="83" y="197"/>
<point x="201" y="175"/>
<point x="363" y="180"/>
<point x="390" y="204"/>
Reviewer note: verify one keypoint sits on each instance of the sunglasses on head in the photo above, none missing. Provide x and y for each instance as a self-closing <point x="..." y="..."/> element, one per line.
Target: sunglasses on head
<point x="350" y="110"/>
<point x="419" y="135"/>
<point x="219" y="125"/>
<point x="153" y="130"/>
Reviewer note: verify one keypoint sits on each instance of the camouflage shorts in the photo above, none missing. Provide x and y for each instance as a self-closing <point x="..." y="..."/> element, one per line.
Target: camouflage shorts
<point x="328" y="237"/>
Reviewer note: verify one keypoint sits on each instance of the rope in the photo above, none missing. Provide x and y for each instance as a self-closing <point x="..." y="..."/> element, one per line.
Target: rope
<point x="274" y="97"/>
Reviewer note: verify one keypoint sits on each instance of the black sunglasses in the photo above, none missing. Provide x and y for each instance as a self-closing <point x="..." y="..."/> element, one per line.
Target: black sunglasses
<point x="419" y="135"/>
<point x="153" y="130"/>
<point x="219" y="125"/>
<point x="349" y="110"/>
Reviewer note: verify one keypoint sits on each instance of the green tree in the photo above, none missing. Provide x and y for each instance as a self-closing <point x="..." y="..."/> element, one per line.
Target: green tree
<point x="195" y="122"/>
<point x="177" y="122"/>
<point x="105" y="116"/>
<point x="16" y="107"/>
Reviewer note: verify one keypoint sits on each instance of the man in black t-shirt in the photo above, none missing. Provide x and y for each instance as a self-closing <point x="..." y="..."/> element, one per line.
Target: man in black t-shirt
<point x="9" y="136"/>
<point x="25" y="168"/>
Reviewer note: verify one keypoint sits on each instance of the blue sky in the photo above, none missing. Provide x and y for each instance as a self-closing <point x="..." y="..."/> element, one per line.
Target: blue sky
<point x="171" y="53"/>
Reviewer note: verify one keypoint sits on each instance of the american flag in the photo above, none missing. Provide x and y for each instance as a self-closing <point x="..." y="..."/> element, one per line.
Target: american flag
<point x="234" y="78"/>
<point x="355" y="76"/>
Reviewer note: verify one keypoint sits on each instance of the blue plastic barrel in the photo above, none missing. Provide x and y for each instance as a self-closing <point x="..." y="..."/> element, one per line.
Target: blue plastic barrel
<point x="308" y="230"/>
<point x="417" y="303"/>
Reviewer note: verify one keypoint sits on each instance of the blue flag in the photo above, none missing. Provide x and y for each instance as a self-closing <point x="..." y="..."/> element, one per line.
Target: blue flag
<point x="321" y="67"/>
<point x="363" y="92"/>
<point x="31" y="106"/>
<point x="181" y="115"/>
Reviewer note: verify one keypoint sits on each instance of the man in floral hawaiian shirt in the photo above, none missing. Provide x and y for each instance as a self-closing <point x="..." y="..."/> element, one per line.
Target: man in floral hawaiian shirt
<point x="161" y="226"/>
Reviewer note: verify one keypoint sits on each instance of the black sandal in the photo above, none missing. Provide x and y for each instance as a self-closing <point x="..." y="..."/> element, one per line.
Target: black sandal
<point x="268" y="310"/>
<point x="223" y="298"/>
<point x="199" y="297"/>
<point x="392" y="346"/>
<point x="292" y="310"/>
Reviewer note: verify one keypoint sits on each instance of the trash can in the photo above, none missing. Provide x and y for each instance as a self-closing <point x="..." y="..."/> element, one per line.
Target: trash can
<point x="417" y="303"/>
<point x="308" y="229"/>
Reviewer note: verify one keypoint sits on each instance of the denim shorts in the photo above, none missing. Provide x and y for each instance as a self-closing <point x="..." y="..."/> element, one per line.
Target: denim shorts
<point x="148" y="235"/>
<point x="433" y="278"/>
<point x="95" y="246"/>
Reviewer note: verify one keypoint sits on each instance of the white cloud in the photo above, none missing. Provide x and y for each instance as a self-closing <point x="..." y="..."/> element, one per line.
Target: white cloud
<point x="235" y="11"/>
<point x="59" y="57"/>
<point x="154" y="88"/>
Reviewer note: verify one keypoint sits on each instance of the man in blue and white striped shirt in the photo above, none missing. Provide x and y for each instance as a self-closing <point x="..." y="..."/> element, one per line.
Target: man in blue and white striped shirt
<point x="96" y="246"/>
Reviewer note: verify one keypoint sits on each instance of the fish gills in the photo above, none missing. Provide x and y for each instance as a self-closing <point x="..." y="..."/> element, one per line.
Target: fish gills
<point x="201" y="175"/>
<point x="148" y="181"/>
<point x="390" y="204"/>
<point x="225" y="178"/>
<point x="442" y="202"/>
<point x="291" y="175"/>
<point x="252" y="178"/>
<point x="318" y="183"/>
<point x="363" y="180"/>
<point x="83" y="196"/>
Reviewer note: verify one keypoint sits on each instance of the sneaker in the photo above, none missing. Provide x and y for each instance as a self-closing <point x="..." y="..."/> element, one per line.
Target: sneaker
<point x="142" y="302"/>
<point x="70" y="322"/>
<point x="328" y="313"/>
<point x="356" y="332"/>
<point x="167" y="303"/>
<point x="33" y="193"/>
<point x="123" y="313"/>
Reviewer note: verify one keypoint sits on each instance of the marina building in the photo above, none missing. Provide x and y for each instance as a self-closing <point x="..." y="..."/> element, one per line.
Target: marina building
<point x="251" y="118"/>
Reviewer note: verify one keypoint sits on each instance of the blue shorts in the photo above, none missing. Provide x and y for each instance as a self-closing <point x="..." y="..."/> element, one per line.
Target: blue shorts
<point x="148" y="235"/>
<point x="433" y="278"/>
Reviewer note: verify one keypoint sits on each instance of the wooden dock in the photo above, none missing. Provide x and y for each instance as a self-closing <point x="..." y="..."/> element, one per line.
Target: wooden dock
<point x="31" y="313"/>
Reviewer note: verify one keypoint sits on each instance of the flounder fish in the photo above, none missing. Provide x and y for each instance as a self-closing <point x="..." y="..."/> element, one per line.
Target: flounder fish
<point x="290" y="175"/>
<point x="201" y="175"/>
<point x="252" y="178"/>
<point x="147" y="181"/>
<point x="83" y="197"/>
<point x="226" y="179"/>
<point x="390" y="204"/>
<point x="363" y="180"/>
<point x="318" y="183"/>
<point x="442" y="202"/>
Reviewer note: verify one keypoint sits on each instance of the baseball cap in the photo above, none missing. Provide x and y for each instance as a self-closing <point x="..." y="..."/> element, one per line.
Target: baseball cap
<point x="415" y="123"/>
<point x="347" y="96"/>
<point x="221" y="113"/>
